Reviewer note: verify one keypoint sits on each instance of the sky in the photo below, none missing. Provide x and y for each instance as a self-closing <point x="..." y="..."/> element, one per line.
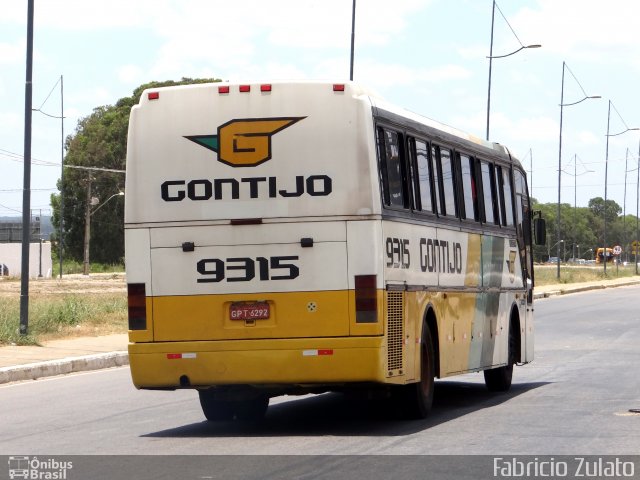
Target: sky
<point x="428" y="56"/>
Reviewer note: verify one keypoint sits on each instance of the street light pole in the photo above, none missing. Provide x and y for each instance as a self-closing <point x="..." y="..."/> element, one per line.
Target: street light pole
<point x="61" y="117"/>
<point x="61" y="239"/>
<point x="493" y="14"/>
<point x="562" y="105"/>
<point x="624" y="207"/>
<point x="559" y="172"/>
<point x="575" y="204"/>
<point x="491" y="57"/>
<point x="606" y="170"/>
<point x="637" y="202"/>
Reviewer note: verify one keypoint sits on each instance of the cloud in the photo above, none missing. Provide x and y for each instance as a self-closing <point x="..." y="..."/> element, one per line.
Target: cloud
<point x="11" y="54"/>
<point x="81" y="14"/>
<point x="581" y="29"/>
<point x="586" y="137"/>
<point x="130" y="74"/>
<point x="193" y="33"/>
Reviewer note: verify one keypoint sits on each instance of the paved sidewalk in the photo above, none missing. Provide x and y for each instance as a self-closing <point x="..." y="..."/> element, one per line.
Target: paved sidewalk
<point x="58" y="357"/>
<point x="566" y="288"/>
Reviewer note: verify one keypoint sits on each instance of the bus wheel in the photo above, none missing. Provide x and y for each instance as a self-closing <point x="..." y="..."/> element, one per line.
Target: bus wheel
<point x="250" y="409"/>
<point x="215" y="410"/>
<point x="499" y="379"/>
<point x="418" y="397"/>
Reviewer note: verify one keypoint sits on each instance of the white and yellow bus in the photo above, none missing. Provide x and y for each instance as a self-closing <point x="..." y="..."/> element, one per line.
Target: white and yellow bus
<point x="288" y="238"/>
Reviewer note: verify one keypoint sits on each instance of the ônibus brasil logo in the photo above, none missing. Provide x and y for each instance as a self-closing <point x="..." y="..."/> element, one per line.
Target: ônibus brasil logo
<point x="244" y="142"/>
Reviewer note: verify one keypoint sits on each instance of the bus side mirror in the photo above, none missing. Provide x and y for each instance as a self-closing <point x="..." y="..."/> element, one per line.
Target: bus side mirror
<point x="540" y="231"/>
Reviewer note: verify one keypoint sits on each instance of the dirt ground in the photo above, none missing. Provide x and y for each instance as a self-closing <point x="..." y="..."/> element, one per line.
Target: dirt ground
<point x="69" y="284"/>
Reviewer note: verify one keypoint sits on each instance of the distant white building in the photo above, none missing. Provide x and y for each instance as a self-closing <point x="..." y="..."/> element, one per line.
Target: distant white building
<point x="40" y="263"/>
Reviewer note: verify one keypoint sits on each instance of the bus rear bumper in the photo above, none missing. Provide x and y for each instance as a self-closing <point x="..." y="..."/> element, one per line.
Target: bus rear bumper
<point x="322" y="361"/>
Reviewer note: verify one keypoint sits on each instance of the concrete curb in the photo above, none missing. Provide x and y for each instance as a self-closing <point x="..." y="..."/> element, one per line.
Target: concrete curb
<point x="570" y="289"/>
<point x="32" y="371"/>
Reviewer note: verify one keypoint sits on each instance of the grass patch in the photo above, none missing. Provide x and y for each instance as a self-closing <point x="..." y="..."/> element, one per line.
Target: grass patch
<point x="63" y="316"/>
<point x="71" y="266"/>
<point x="547" y="274"/>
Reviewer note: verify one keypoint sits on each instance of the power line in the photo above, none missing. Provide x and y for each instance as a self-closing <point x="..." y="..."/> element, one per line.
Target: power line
<point x="15" y="190"/>
<point x="512" y="30"/>
<point x="45" y="100"/>
<point x="18" y="158"/>
<point x="9" y="208"/>
<point x="98" y="169"/>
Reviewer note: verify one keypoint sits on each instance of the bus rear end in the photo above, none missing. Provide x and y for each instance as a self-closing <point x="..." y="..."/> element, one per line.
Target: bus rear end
<point x="253" y="242"/>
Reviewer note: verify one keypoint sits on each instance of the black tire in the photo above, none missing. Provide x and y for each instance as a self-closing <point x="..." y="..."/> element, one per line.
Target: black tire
<point x="418" y="397"/>
<point x="499" y="379"/>
<point x="251" y="410"/>
<point x="215" y="410"/>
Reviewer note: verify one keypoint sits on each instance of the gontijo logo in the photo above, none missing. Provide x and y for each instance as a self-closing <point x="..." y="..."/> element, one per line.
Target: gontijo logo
<point x="244" y="142"/>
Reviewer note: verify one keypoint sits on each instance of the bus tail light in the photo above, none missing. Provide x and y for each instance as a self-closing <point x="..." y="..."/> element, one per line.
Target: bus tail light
<point x="366" y="298"/>
<point x="137" y="303"/>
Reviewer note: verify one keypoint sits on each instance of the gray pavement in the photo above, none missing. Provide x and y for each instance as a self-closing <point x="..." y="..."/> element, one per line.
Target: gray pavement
<point x="58" y="357"/>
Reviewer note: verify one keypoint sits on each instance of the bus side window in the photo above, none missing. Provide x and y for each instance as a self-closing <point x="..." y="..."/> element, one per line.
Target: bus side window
<point x="437" y="179"/>
<point x="489" y="193"/>
<point x="469" y="193"/>
<point x="444" y="167"/>
<point x="448" y="182"/>
<point x="508" y="196"/>
<point x="422" y="182"/>
<point x="392" y="168"/>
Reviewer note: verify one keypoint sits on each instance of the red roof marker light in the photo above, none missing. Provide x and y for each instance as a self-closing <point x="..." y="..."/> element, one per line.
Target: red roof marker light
<point x="223" y="89"/>
<point x="153" y="95"/>
<point x="338" y="87"/>
<point x="265" y="88"/>
<point x="245" y="88"/>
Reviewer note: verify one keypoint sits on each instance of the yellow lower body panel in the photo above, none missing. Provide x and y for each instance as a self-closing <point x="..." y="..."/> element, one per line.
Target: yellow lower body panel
<point x="259" y="362"/>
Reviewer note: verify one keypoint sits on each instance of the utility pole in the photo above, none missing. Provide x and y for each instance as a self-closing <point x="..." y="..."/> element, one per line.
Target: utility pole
<point x="26" y="191"/>
<point x="353" y="38"/>
<point x="87" y="229"/>
<point x="61" y="239"/>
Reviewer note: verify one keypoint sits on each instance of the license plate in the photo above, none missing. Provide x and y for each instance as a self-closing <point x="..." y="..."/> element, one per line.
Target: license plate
<point x="249" y="311"/>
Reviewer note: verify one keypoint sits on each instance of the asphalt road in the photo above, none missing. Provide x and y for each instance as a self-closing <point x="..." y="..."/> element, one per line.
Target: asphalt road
<point x="574" y="399"/>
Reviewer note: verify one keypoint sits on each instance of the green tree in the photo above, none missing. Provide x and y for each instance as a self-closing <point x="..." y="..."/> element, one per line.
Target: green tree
<point x="609" y="210"/>
<point x="581" y="229"/>
<point x="99" y="143"/>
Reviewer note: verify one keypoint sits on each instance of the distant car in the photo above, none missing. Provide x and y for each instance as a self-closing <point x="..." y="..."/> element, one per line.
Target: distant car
<point x="553" y="260"/>
<point x="4" y="271"/>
